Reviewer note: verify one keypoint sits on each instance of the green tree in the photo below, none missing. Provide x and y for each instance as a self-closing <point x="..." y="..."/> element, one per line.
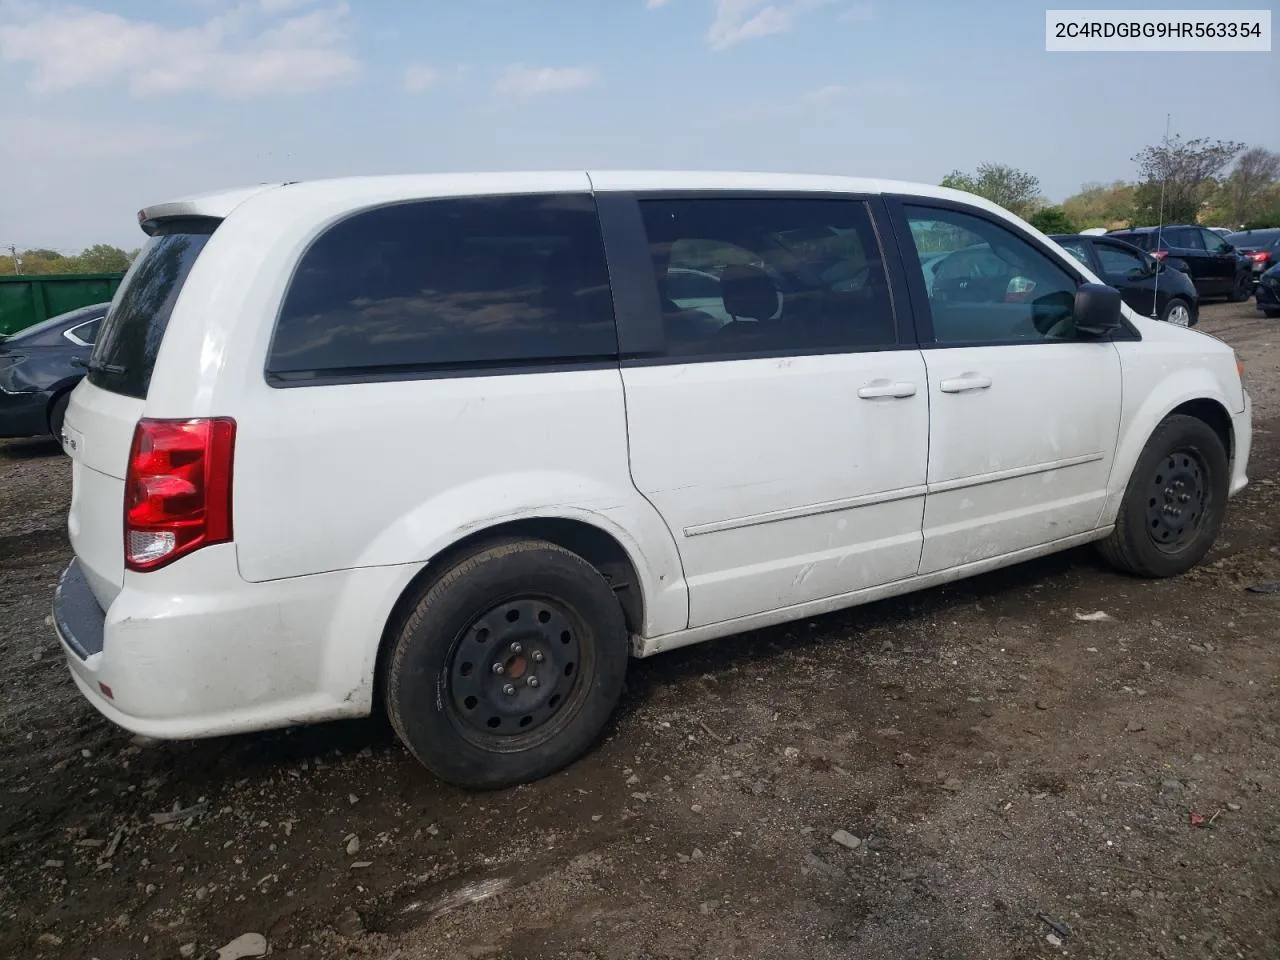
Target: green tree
<point x="1245" y="193"/>
<point x="1015" y="190"/>
<point x="1178" y="176"/>
<point x="1052" y="220"/>
<point x="103" y="258"/>
<point x="1101" y="205"/>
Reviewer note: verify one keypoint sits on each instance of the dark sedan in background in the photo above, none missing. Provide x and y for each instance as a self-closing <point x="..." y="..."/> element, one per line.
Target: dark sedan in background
<point x="1215" y="266"/>
<point x="1261" y="247"/>
<point x="1149" y="286"/>
<point x="39" y="367"/>
<point x="1268" y="293"/>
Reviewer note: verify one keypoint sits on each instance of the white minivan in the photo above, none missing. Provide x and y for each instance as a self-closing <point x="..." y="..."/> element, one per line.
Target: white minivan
<point x="450" y="445"/>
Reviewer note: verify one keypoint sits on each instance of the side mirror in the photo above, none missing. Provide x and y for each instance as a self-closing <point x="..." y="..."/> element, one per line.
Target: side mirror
<point x="1096" y="310"/>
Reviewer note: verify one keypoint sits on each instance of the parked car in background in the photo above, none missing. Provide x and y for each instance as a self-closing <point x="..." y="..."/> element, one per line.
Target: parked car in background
<point x="1262" y="247"/>
<point x="38" y="369"/>
<point x="1267" y="295"/>
<point x="1149" y="286"/>
<point x="1216" y="268"/>
<point x="1220" y="231"/>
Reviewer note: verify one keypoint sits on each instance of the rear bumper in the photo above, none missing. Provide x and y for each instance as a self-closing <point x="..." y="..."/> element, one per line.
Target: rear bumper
<point x="24" y="414"/>
<point x="170" y="663"/>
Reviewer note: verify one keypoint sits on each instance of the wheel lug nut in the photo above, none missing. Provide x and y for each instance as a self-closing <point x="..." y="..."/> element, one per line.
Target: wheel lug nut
<point x="509" y="690"/>
<point x="516" y="648"/>
<point x="533" y="681"/>
<point x="499" y="669"/>
<point x="1184" y="497"/>
<point x="539" y="656"/>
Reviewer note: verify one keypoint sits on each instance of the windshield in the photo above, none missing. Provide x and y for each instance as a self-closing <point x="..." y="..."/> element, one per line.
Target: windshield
<point x="126" y="348"/>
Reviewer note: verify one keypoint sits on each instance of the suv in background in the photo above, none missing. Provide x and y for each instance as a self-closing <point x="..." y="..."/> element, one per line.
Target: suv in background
<point x="441" y="443"/>
<point x="1149" y="286"/>
<point x="1262" y="247"/>
<point x="1215" y="267"/>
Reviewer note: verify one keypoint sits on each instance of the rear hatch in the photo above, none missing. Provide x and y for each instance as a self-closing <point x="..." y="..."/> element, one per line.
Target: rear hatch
<point x="106" y="407"/>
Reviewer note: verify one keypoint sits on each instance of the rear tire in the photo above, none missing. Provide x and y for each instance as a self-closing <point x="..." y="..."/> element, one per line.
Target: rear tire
<point x="1175" y="501"/>
<point x="1177" y="312"/>
<point x="58" y="415"/>
<point x="508" y="665"/>
<point x="1241" y="291"/>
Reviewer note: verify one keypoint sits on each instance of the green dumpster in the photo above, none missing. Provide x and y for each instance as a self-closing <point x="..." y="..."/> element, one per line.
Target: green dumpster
<point x="28" y="300"/>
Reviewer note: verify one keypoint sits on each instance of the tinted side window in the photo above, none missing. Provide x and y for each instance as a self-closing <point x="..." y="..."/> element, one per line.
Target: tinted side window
<point x="87" y="332"/>
<point x="1117" y="261"/>
<point x="791" y="275"/>
<point x="986" y="284"/>
<point x="1077" y="249"/>
<point x="1213" y="242"/>
<point x="1186" y="237"/>
<point x="432" y="284"/>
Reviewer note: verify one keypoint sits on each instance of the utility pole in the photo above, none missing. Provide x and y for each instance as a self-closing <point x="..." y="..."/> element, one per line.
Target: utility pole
<point x="17" y="264"/>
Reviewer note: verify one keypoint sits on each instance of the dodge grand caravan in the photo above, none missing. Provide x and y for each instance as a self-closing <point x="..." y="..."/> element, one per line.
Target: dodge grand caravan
<point x="453" y="446"/>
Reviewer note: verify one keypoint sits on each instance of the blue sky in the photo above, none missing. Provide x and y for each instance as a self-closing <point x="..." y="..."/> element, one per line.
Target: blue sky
<point x="112" y="104"/>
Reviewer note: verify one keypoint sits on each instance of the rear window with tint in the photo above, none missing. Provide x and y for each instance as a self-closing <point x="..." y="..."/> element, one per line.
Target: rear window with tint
<point x="124" y="354"/>
<point x="456" y="283"/>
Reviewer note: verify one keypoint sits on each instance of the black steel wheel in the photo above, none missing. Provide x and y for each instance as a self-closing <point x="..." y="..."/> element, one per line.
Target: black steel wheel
<point x="1176" y="506"/>
<point x="1175" y="501"/>
<point x="507" y="665"/>
<point x="516" y="671"/>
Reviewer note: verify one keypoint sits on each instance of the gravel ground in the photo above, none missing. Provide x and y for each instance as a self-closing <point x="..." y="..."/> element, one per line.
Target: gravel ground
<point x="1013" y="779"/>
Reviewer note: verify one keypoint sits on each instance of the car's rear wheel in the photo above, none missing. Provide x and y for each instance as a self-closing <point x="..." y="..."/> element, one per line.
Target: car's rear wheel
<point x="1174" y="503"/>
<point x="1243" y="288"/>
<point x="58" y="415"/>
<point x="508" y="665"/>
<point x="1177" y="312"/>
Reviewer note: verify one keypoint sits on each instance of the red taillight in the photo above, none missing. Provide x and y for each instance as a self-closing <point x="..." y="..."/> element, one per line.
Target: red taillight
<point x="1259" y="256"/>
<point x="1159" y="254"/>
<point x="177" y="489"/>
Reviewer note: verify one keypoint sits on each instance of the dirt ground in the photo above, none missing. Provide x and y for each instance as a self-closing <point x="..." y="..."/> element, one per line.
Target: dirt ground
<point x="1019" y="783"/>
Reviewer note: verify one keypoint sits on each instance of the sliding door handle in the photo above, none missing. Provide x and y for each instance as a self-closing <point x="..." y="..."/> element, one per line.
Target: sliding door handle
<point x="965" y="383"/>
<point x="884" y="388"/>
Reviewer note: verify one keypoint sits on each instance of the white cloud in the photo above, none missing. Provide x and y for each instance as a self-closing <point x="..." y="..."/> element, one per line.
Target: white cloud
<point x="419" y="77"/>
<point x="233" y="54"/>
<point x="282" y="6"/>
<point x="739" y="20"/>
<point x="521" y="81"/>
<point x="868" y="89"/>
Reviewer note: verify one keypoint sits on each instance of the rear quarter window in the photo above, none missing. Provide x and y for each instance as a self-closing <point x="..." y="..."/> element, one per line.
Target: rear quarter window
<point x="124" y="352"/>
<point x="431" y="285"/>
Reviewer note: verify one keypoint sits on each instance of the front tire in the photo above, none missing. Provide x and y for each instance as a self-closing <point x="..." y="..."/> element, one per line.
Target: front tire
<point x="1177" y="312"/>
<point x="1271" y="314"/>
<point x="508" y="666"/>
<point x="1241" y="291"/>
<point x="1175" y="501"/>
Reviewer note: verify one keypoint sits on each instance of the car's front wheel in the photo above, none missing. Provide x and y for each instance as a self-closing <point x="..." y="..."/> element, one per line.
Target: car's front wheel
<point x="1243" y="288"/>
<point x="508" y="665"/>
<point x="1177" y="312"/>
<point x="1174" y="503"/>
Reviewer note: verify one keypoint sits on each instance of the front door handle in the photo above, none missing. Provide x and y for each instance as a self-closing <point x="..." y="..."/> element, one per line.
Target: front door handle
<point x="964" y="383"/>
<point x="884" y="388"/>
